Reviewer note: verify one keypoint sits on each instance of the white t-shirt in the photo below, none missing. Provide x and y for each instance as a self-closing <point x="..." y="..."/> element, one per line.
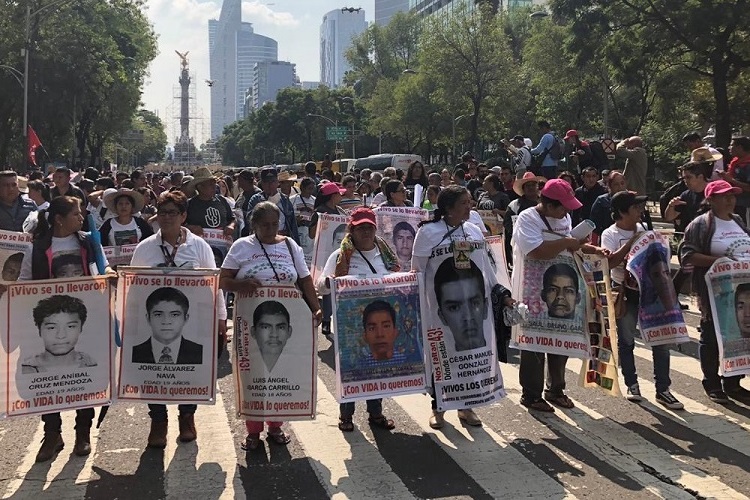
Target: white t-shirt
<point x="613" y="238"/>
<point x="378" y="199"/>
<point x="303" y="207"/>
<point x="247" y="256"/>
<point x="357" y="267"/>
<point x="729" y="240"/>
<point x="476" y="219"/>
<point x="193" y="253"/>
<point x="128" y="234"/>
<point x="435" y="234"/>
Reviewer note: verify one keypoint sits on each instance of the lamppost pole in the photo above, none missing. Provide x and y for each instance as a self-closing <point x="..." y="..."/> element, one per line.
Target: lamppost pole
<point x="453" y="144"/>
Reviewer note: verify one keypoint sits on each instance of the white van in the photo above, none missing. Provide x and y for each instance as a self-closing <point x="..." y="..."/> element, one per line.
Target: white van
<point x="382" y="161"/>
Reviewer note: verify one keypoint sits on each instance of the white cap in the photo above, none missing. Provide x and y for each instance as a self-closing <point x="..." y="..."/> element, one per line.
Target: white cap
<point x="527" y="142"/>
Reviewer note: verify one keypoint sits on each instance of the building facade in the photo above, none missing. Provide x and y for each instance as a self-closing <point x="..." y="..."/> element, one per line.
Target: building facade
<point x="269" y="78"/>
<point x="338" y="29"/>
<point x="234" y="48"/>
<point x="429" y="7"/>
<point x="386" y="9"/>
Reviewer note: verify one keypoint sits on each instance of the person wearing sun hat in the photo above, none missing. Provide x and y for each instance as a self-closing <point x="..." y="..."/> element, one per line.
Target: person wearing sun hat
<point x="715" y="234"/>
<point x="207" y="209"/>
<point x="531" y="240"/>
<point x="269" y="185"/>
<point x="527" y="189"/>
<point x="124" y="228"/>
<point x="694" y="143"/>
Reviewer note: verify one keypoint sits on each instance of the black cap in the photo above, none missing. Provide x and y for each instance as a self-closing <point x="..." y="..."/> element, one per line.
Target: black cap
<point x="268" y="174"/>
<point x="517" y="138"/>
<point x="467" y="156"/>
<point x="246" y="174"/>
<point x="623" y="200"/>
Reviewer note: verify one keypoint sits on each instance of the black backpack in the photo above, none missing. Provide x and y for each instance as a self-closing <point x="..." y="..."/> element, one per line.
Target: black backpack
<point x="556" y="152"/>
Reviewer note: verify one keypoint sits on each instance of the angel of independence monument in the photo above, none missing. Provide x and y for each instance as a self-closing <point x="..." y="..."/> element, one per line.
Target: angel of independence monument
<point x="184" y="149"/>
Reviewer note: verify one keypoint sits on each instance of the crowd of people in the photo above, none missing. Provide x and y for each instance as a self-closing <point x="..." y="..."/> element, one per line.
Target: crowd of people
<point x="272" y="217"/>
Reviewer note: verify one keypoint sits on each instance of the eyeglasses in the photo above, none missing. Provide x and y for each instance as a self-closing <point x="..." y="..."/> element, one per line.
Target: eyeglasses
<point x="400" y="191"/>
<point x="168" y="213"/>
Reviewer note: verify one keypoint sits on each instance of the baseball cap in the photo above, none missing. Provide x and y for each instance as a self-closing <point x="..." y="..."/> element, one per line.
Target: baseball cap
<point x="362" y="215"/>
<point x="570" y="133"/>
<point x="268" y="174"/>
<point x="560" y="190"/>
<point x="330" y="188"/>
<point x="517" y="138"/>
<point x="246" y="174"/>
<point x="720" y="187"/>
<point x="623" y="200"/>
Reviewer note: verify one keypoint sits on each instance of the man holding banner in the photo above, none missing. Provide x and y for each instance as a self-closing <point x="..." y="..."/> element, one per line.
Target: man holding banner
<point x="542" y="240"/>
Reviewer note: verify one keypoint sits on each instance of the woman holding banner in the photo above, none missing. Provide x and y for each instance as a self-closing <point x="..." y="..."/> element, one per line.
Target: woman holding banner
<point x="58" y="235"/>
<point x="248" y="266"/>
<point x="174" y="246"/>
<point x="363" y="254"/>
<point x="124" y="228"/>
<point x="715" y="234"/>
<point x="449" y="223"/>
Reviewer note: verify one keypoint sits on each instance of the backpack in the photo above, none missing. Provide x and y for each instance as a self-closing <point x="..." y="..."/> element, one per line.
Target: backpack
<point x="557" y="149"/>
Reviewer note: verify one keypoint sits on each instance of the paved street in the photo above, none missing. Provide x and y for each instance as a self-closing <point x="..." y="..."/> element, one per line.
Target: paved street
<point x="604" y="448"/>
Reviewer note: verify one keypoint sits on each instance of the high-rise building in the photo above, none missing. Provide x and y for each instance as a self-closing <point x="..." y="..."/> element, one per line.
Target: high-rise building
<point x="428" y="7"/>
<point x="269" y="78"/>
<point x="385" y="9"/>
<point x="233" y="50"/>
<point x="310" y="85"/>
<point x="339" y="27"/>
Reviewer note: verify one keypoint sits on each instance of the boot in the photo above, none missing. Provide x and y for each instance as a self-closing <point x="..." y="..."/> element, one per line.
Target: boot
<point x="157" y="438"/>
<point x="51" y="444"/>
<point x="187" y="428"/>
<point x="83" y="442"/>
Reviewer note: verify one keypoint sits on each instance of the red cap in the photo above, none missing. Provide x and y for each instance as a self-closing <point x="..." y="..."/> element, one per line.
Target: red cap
<point x="720" y="187"/>
<point x="560" y="190"/>
<point x="570" y="133"/>
<point x="330" y="188"/>
<point x="362" y="215"/>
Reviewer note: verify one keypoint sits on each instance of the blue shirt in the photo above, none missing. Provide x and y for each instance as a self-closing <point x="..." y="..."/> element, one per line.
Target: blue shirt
<point x="545" y="143"/>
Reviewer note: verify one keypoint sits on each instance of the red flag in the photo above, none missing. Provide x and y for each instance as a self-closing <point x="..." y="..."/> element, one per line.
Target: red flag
<point x="34" y="143"/>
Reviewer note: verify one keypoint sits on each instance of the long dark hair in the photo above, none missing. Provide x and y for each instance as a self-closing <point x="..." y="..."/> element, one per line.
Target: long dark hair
<point x="62" y="206"/>
<point x="447" y="199"/>
<point x="422" y="178"/>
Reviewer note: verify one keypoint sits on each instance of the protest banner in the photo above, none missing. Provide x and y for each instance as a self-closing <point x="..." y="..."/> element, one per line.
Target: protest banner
<point x="660" y="317"/>
<point x="397" y="226"/>
<point x="728" y="284"/>
<point x="459" y="333"/>
<point x="556" y="323"/>
<point x="492" y="222"/>
<point x="378" y="342"/>
<point x="219" y="243"/>
<point x="600" y="370"/>
<point x="169" y="327"/>
<point x="496" y="252"/>
<point x="275" y="355"/>
<point x="13" y="247"/>
<point x="64" y="354"/>
<point x="328" y="236"/>
<point x="120" y="255"/>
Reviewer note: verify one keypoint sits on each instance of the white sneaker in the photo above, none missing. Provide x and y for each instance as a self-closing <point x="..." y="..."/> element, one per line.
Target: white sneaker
<point x="634" y="393"/>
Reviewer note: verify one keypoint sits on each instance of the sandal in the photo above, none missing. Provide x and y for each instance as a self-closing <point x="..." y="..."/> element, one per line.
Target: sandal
<point x="252" y="442"/>
<point x="279" y="437"/>
<point x="538" y="405"/>
<point x="382" y="422"/>
<point x="346" y="424"/>
<point x="561" y="400"/>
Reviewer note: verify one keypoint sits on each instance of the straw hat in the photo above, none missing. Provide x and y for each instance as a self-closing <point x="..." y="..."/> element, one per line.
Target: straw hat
<point x="285" y="176"/>
<point x="201" y="174"/>
<point x="527" y="177"/>
<point x="135" y="196"/>
<point x="704" y="154"/>
<point x="23" y="184"/>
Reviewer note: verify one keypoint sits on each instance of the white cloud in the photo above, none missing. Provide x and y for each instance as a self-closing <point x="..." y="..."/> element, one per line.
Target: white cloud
<point x="260" y="13"/>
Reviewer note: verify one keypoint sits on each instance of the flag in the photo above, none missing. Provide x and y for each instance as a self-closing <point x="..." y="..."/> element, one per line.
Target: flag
<point x="34" y="143"/>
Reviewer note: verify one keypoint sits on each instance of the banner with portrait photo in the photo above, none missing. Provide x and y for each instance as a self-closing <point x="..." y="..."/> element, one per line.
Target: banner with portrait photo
<point x="493" y="223"/>
<point x="554" y="292"/>
<point x="13" y="247"/>
<point x="219" y="243"/>
<point x="397" y="226"/>
<point x="728" y="284"/>
<point x="328" y="236"/>
<point x="496" y="252"/>
<point x="600" y="370"/>
<point x="378" y="342"/>
<point x="459" y="332"/>
<point x="63" y="345"/>
<point x="660" y="317"/>
<point x="119" y="255"/>
<point x="275" y="355"/>
<point x="169" y="327"/>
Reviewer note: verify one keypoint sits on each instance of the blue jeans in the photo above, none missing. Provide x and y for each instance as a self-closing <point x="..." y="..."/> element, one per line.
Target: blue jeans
<point x="327" y="308"/>
<point x="626" y="330"/>
<point x="374" y="408"/>
<point x="158" y="413"/>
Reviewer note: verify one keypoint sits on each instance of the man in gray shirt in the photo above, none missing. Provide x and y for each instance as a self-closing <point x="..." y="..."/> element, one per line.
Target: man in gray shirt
<point x="13" y="207"/>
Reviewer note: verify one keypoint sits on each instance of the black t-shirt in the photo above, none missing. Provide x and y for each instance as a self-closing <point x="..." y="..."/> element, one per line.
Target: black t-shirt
<point x="690" y="210"/>
<point x="214" y="213"/>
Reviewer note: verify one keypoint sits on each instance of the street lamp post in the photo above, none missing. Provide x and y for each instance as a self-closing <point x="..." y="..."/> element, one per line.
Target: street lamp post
<point x="455" y="121"/>
<point x="351" y="99"/>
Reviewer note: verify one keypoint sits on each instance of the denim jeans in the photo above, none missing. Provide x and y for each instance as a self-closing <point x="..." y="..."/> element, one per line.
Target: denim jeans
<point x="374" y="408"/>
<point x="158" y="413"/>
<point x="53" y="421"/>
<point x="708" y="352"/>
<point x="327" y="307"/>
<point x="626" y="331"/>
<point x="531" y="375"/>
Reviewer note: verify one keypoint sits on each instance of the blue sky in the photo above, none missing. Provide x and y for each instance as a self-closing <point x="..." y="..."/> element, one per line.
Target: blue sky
<point x="183" y="25"/>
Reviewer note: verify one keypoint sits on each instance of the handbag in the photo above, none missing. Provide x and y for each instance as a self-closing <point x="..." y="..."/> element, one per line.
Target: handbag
<point x="620" y="304"/>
